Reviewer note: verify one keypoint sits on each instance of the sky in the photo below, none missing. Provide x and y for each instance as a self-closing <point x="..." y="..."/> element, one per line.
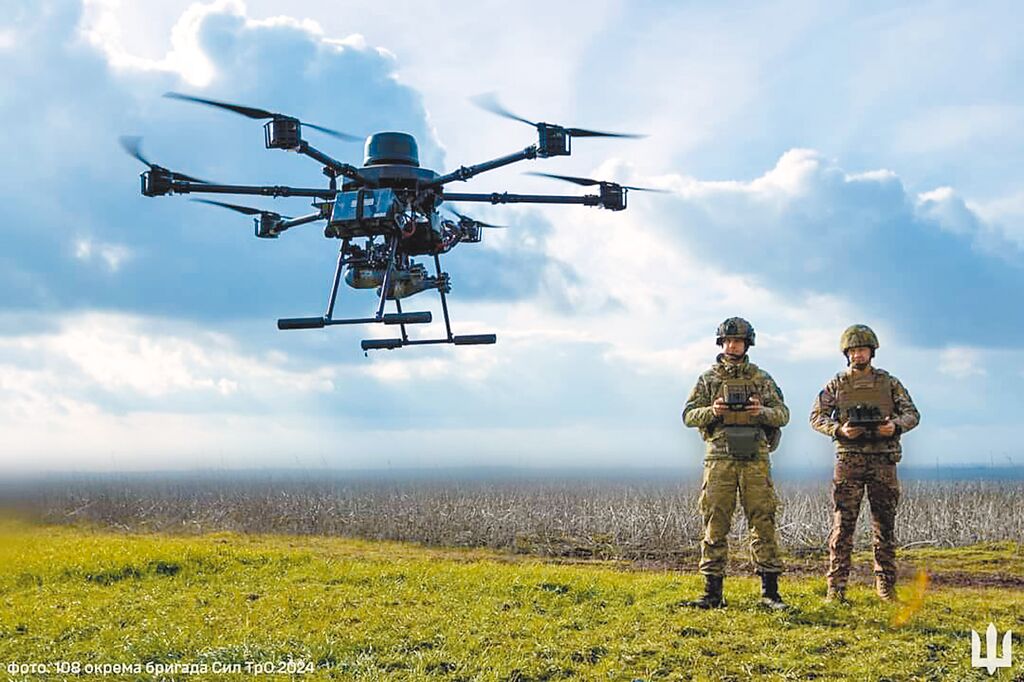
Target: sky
<point x="824" y="165"/>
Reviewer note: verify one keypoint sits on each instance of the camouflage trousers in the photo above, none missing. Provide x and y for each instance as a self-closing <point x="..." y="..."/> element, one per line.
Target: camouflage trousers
<point x="853" y="474"/>
<point x="724" y="479"/>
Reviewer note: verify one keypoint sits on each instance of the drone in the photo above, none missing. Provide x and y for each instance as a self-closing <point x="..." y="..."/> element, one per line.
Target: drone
<point x="385" y="212"/>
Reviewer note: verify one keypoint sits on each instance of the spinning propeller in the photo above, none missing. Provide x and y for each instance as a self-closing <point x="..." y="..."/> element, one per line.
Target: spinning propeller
<point x="247" y="210"/>
<point x="489" y="102"/>
<point x="133" y="145"/>
<point x="588" y="182"/>
<point x="253" y="112"/>
<point x="466" y="221"/>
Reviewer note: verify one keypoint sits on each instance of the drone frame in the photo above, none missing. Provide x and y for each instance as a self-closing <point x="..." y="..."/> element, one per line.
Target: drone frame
<point x="285" y="132"/>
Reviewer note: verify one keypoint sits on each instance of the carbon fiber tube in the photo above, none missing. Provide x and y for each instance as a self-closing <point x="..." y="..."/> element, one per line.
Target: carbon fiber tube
<point x="408" y="318"/>
<point x="381" y="344"/>
<point x="474" y="339"/>
<point x="300" y="323"/>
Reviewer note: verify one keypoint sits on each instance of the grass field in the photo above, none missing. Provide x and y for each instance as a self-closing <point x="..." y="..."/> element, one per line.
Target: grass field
<point x="354" y="609"/>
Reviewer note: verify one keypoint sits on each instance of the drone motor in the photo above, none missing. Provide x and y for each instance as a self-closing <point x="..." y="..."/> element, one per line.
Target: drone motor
<point x="268" y="225"/>
<point x="553" y="140"/>
<point x="613" y="196"/>
<point x="156" y="182"/>
<point x="283" y="132"/>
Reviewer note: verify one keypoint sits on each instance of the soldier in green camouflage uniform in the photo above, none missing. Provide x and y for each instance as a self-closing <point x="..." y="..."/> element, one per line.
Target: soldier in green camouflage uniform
<point x="866" y="457"/>
<point x="739" y="411"/>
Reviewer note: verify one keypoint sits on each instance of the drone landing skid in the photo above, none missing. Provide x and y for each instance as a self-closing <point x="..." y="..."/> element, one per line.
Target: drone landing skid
<point x="400" y="318"/>
<point x="320" y="322"/>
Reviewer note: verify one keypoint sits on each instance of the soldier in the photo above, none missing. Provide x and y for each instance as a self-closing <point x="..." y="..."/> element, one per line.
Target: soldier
<point x="740" y="412"/>
<point x="864" y="410"/>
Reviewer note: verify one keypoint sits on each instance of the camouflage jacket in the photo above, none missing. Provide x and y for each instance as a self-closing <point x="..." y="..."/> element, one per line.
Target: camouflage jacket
<point x="824" y="418"/>
<point x="699" y="414"/>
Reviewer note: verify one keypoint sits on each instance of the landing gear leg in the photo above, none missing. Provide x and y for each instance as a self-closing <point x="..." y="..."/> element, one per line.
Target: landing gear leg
<point x="464" y="340"/>
<point x="328" y="317"/>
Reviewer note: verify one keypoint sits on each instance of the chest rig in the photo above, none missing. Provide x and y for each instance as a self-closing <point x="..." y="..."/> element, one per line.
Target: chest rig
<point x="740" y="427"/>
<point x="865" y="400"/>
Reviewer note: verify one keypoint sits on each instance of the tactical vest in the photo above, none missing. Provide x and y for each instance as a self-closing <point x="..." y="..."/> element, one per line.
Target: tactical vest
<point x="872" y="391"/>
<point x="740" y="427"/>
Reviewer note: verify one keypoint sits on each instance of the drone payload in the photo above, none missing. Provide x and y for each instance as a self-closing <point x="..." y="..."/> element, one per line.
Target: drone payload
<point x="385" y="212"/>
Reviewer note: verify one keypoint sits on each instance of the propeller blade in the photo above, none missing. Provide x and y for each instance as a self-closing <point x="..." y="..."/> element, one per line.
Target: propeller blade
<point x="567" y="178"/>
<point x="253" y="112"/>
<point x="588" y="181"/>
<point x="488" y="101"/>
<point x="247" y="210"/>
<point x="581" y="132"/>
<point x="646" y="189"/>
<point x="133" y="145"/>
<point x="335" y="133"/>
<point x="466" y="218"/>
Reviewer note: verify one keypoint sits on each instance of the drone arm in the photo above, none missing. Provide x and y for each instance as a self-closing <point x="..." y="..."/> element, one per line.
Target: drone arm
<point x="186" y="187"/>
<point x="345" y="169"/>
<point x="466" y="172"/>
<point x="506" y="198"/>
<point x="301" y="220"/>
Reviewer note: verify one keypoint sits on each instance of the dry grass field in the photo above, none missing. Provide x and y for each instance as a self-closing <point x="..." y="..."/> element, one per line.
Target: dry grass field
<point x="642" y="521"/>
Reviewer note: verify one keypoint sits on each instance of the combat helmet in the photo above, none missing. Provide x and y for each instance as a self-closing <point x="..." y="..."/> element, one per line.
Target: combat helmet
<point x="858" y="335"/>
<point x="737" y="327"/>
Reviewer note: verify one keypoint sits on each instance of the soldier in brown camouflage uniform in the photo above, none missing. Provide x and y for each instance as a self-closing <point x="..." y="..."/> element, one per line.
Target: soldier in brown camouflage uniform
<point x="739" y="411"/>
<point x="864" y="410"/>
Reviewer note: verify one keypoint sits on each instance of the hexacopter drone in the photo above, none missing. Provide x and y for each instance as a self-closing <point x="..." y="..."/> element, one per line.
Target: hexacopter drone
<point x="391" y="205"/>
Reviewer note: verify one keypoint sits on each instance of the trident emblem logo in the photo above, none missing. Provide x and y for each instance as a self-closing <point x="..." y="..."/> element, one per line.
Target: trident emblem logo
<point x="992" y="660"/>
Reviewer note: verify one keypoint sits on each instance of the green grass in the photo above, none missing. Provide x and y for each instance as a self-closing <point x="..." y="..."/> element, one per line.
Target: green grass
<point x="387" y="611"/>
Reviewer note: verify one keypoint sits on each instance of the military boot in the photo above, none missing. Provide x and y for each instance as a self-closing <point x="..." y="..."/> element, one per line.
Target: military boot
<point x="712" y="597"/>
<point x="885" y="586"/>
<point x="836" y="594"/>
<point x="770" y="596"/>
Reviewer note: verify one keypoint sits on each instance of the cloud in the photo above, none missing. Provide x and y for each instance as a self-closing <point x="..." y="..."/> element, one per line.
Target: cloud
<point x="1004" y="213"/>
<point x="111" y="255"/>
<point x="960" y="363"/>
<point x="925" y="264"/>
<point x="126" y="391"/>
<point x="138" y="364"/>
<point x="514" y="263"/>
<point x="142" y="329"/>
<point x="213" y="265"/>
<point x="168" y="257"/>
